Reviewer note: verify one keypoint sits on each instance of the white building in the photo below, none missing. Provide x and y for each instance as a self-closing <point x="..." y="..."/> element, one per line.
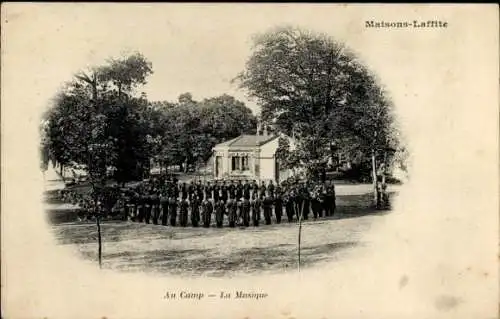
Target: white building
<point x="249" y="157"/>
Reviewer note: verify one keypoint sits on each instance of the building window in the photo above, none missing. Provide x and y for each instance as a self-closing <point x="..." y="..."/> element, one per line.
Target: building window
<point x="240" y="163"/>
<point x="244" y="164"/>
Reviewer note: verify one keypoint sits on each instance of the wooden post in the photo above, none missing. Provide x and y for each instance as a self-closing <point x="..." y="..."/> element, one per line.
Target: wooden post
<point x="99" y="239"/>
<point x="300" y="234"/>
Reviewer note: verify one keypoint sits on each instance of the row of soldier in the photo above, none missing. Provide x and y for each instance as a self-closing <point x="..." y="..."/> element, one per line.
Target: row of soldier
<point x="172" y="203"/>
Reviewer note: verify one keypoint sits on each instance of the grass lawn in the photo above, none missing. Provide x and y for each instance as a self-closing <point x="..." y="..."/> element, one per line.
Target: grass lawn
<point x="129" y="246"/>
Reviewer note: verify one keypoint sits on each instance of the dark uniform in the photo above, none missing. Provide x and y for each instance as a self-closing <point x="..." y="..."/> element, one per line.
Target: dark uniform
<point x="223" y="192"/>
<point x="278" y="206"/>
<point x="232" y="209"/>
<point x="175" y="189"/>
<point x="232" y="191"/>
<point x="245" y="212"/>
<point x="219" y="213"/>
<point x="239" y="190"/>
<point x="207" y="210"/>
<point x="298" y="201"/>
<point x="128" y="207"/>
<point x="184" y="191"/>
<point x="271" y="188"/>
<point x="332" y="199"/>
<point x="289" y="206"/>
<point x="191" y="191"/>
<point x="156" y="208"/>
<point x="315" y="204"/>
<point x="255" y="189"/>
<point x="208" y="191"/>
<point x="267" y="204"/>
<point x="262" y="191"/>
<point x="256" y="211"/>
<point x="148" y="203"/>
<point x="141" y="207"/>
<point x="246" y="191"/>
<point x="195" y="211"/>
<point x="200" y="191"/>
<point x="164" y="209"/>
<point x="183" y="213"/>
<point x="172" y="209"/>
<point x="322" y="205"/>
<point x="216" y="192"/>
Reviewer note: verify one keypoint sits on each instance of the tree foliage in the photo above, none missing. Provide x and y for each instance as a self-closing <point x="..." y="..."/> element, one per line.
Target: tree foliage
<point x="312" y="88"/>
<point x="96" y="121"/>
<point x="192" y="128"/>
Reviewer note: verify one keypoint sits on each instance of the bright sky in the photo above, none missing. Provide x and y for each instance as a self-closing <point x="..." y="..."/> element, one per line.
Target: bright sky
<point x="194" y="48"/>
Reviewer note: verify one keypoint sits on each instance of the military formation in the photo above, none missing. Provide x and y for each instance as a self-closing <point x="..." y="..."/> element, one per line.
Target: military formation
<point x="168" y="202"/>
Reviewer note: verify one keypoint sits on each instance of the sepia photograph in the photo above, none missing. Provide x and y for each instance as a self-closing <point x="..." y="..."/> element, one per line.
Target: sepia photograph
<point x="221" y="160"/>
<point x="214" y="181"/>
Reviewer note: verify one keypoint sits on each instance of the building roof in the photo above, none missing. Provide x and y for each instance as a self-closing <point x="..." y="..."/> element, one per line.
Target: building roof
<point x="248" y="141"/>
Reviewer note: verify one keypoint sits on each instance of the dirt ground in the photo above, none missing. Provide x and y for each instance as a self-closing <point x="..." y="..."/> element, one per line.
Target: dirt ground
<point x="129" y="246"/>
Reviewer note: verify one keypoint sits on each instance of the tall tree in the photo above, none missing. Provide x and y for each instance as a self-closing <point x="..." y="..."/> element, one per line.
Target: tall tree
<point x="313" y="88"/>
<point x="95" y="121"/>
<point x="191" y="128"/>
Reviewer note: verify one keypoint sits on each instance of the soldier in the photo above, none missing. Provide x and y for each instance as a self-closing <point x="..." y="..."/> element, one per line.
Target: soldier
<point x="148" y="206"/>
<point x="164" y="208"/>
<point x="232" y="191"/>
<point x="254" y="188"/>
<point x="156" y="207"/>
<point x="141" y="203"/>
<point x="256" y="211"/>
<point x="184" y="191"/>
<point x="315" y="203"/>
<point x="191" y="191"/>
<point x="270" y="188"/>
<point x="216" y="192"/>
<point x="176" y="188"/>
<point x="208" y="191"/>
<point x="219" y="213"/>
<point x="239" y="190"/>
<point x="385" y="196"/>
<point x="207" y="210"/>
<point x="278" y="205"/>
<point x="127" y="207"/>
<point x="262" y="190"/>
<point x="289" y="205"/>
<point x="134" y="202"/>
<point x="322" y="198"/>
<point x="172" y="209"/>
<point x="183" y="213"/>
<point x="267" y="205"/>
<point x="245" y="211"/>
<point x="232" y="209"/>
<point x="333" y="200"/>
<point x="195" y="211"/>
<point x="246" y="190"/>
<point x="200" y="192"/>
<point x="223" y="192"/>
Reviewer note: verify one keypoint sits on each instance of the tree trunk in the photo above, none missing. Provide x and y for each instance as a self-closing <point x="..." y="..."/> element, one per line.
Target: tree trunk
<point x="374" y="178"/>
